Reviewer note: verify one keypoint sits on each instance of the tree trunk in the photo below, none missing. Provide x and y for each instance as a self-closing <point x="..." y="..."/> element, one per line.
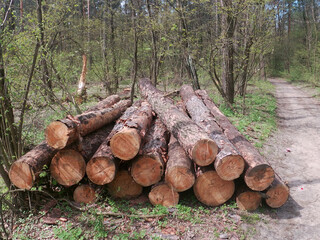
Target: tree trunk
<point x="25" y="171"/>
<point x="258" y="173"/>
<point x="68" y="167"/>
<point x="247" y="199"/>
<point x="210" y="189"/>
<point x="84" y="194"/>
<point x="277" y="193"/>
<point x="82" y="92"/>
<point x="105" y="103"/>
<point x="61" y="133"/>
<point x="129" y="132"/>
<point x="163" y="194"/>
<point x="195" y="141"/>
<point x="229" y="164"/>
<point x="123" y="186"/>
<point x="180" y="168"/>
<point x="102" y="167"/>
<point x="148" y="168"/>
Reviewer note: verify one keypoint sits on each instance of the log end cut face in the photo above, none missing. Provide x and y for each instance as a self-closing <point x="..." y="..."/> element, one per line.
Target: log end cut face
<point x="259" y="177"/>
<point x="123" y="186"/>
<point x="204" y="152"/>
<point x="101" y="170"/>
<point x="277" y="195"/>
<point x="57" y="135"/>
<point x="163" y="195"/>
<point x="22" y="175"/>
<point x="84" y="194"/>
<point x="147" y="170"/>
<point x="211" y="190"/>
<point x="231" y="167"/>
<point x="68" y="167"/>
<point x="248" y="200"/>
<point x="180" y="178"/>
<point x="125" y="144"/>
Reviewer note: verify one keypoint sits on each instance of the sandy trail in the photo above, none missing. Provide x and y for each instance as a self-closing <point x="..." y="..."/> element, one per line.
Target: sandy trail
<point x="294" y="152"/>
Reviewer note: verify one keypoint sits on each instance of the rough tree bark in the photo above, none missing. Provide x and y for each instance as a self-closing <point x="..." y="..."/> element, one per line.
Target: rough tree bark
<point x="180" y="168"/>
<point x="195" y="141"/>
<point x="148" y="168"/>
<point x="258" y="173"/>
<point x="61" y="133"/>
<point x="229" y="164"/>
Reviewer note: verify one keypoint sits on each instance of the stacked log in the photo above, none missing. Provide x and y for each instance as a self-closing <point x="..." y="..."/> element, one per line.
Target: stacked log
<point x="205" y="152"/>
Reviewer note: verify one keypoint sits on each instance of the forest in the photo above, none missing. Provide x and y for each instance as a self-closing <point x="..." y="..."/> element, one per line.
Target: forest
<point x="52" y="53"/>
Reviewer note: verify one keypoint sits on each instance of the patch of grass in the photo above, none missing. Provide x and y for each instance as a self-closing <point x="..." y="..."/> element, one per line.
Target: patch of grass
<point x="68" y="233"/>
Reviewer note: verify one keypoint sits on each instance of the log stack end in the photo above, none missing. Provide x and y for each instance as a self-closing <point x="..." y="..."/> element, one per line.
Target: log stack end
<point x="231" y="167"/>
<point x="84" y="194"/>
<point x="248" y="200"/>
<point x="58" y="135"/>
<point x="164" y="195"/>
<point x="204" y="152"/>
<point x="22" y="175"/>
<point x="101" y="170"/>
<point x="277" y="194"/>
<point x="260" y="177"/>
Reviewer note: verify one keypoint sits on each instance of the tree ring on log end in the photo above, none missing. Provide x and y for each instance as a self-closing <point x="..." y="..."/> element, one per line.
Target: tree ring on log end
<point x="231" y="167"/>
<point x="204" y="152"/>
<point x="259" y="177"/>
<point x="277" y="196"/>
<point x="212" y="190"/>
<point x="147" y="170"/>
<point x="68" y="167"/>
<point x="123" y="186"/>
<point x="248" y="200"/>
<point x="125" y="144"/>
<point x="180" y="178"/>
<point x="84" y="194"/>
<point x="164" y="195"/>
<point x="22" y="175"/>
<point x="101" y="170"/>
<point x="57" y="135"/>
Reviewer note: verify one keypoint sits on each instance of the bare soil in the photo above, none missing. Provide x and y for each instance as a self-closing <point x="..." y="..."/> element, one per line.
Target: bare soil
<point x="294" y="152"/>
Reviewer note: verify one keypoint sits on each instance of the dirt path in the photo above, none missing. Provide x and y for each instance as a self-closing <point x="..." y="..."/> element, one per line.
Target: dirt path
<point x="294" y="152"/>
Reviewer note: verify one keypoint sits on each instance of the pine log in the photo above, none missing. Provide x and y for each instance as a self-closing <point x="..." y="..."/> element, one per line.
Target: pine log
<point x="258" y="173"/>
<point x="24" y="172"/>
<point x="210" y="189"/>
<point x="105" y="103"/>
<point x="247" y="199"/>
<point x="68" y="167"/>
<point x="61" y="133"/>
<point x="229" y="164"/>
<point x="277" y="193"/>
<point x="148" y="168"/>
<point x="125" y="143"/>
<point x="163" y="194"/>
<point x="180" y="168"/>
<point x="84" y="194"/>
<point x="123" y="186"/>
<point x="195" y="141"/>
<point x="102" y="167"/>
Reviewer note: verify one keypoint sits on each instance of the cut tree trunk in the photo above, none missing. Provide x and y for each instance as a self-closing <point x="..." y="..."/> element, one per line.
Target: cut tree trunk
<point x="163" y="194"/>
<point x="105" y="103"/>
<point x="25" y="171"/>
<point x="84" y="194"/>
<point x="210" y="189"/>
<point x="61" y="133"/>
<point x="258" y="174"/>
<point x="277" y="193"/>
<point x="148" y="168"/>
<point x="180" y="168"/>
<point x="102" y="167"/>
<point x="68" y="167"/>
<point x="129" y="132"/>
<point x="247" y="199"/>
<point x="81" y="92"/>
<point x="229" y="164"/>
<point x="123" y="186"/>
<point x="195" y="141"/>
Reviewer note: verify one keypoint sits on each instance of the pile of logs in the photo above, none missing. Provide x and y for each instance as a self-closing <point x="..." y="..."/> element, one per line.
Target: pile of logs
<point x="154" y="142"/>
